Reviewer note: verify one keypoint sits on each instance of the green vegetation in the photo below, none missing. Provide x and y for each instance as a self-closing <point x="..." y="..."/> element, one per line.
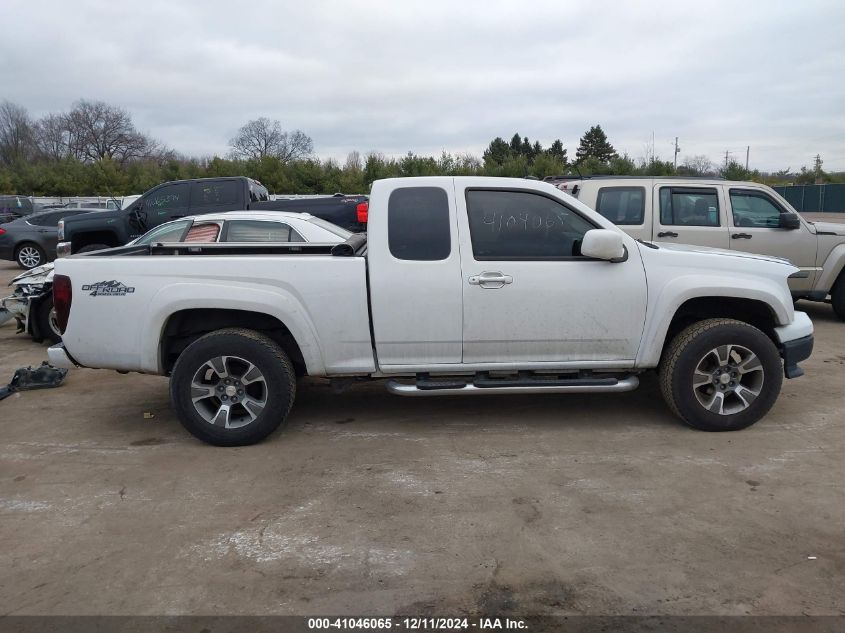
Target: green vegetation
<point x="94" y="149"/>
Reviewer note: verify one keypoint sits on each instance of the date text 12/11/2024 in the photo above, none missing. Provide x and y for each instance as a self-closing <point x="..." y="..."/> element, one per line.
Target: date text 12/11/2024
<point x="417" y="624"/>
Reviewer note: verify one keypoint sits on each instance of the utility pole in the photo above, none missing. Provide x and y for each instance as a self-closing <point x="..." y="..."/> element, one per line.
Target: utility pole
<point x="677" y="149"/>
<point x="747" y="154"/>
<point x="727" y="151"/>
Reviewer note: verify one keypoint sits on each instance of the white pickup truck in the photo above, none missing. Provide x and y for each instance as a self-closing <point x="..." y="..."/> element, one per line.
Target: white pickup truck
<point x="462" y="285"/>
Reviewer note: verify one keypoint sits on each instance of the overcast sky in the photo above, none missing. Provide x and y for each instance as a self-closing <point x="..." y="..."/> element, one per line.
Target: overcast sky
<point x="432" y="76"/>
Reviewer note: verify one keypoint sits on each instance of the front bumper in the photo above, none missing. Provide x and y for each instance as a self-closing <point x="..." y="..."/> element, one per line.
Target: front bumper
<point x="62" y="249"/>
<point x="794" y="352"/>
<point x="59" y="357"/>
<point x="796" y="343"/>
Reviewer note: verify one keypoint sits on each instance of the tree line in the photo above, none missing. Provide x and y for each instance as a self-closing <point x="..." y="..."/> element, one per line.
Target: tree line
<point x="96" y="149"/>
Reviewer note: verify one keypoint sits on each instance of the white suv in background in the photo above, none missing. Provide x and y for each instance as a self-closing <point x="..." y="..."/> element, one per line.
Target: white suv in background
<point x="740" y="216"/>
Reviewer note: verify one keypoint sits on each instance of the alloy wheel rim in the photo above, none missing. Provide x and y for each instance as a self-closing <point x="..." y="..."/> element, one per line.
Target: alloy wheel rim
<point x="728" y="379"/>
<point x="29" y="257"/>
<point x="53" y="321"/>
<point x="229" y="392"/>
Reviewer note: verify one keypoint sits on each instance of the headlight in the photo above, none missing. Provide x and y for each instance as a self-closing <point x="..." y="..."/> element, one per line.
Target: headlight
<point x="61" y="230"/>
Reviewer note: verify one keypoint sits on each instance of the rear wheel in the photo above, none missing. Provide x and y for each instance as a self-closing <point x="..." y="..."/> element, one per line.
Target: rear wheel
<point x="30" y="255"/>
<point x="232" y="387"/>
<point x="721" y="375"/>
<point x="46" y="322"/>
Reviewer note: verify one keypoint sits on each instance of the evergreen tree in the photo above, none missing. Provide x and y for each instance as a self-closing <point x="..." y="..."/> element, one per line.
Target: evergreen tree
<point x="594" y="144"/>
<point x="556" y="150"/>
<point x="516" y="145"/>
<point x="497" y="152"/>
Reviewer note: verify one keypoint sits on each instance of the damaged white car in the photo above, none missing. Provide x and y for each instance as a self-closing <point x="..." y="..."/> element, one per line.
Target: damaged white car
<point x="31" y="304"/>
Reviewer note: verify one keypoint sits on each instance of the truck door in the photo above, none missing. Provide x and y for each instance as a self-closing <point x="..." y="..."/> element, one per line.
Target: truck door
<point x="690" y="215"/>
<point x="529" y="296"/>
<point x="167" y="202"/>
<point x="414" y="274"/>
<point x="755" y="228"/>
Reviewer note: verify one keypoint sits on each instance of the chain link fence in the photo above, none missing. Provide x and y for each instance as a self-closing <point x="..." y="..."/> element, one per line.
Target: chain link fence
<point x="815" y="198"/>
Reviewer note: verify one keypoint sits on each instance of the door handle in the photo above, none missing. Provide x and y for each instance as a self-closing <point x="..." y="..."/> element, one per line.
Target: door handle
<point x="490" y="280"/>
<point x="667" y="234"/>
<point x="741" y="236"/>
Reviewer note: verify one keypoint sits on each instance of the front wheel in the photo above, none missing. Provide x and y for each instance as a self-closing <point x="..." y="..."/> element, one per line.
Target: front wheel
<point x="721" y="375"/>
<point x="232" y="387"/>
<point x="837" y="297"/>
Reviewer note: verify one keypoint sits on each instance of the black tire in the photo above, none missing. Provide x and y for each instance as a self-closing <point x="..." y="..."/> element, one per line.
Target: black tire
<point x="837" y="297"/>
<point x="691" y="347"/>
<point x="93" y="247"/>
<point x="239" y="345"/>
<point x="29" y="255"/>
<point x="45" y="322"/>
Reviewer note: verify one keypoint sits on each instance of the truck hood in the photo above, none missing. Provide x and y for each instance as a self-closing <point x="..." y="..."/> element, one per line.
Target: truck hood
<point x="829" y="227"/>
<point x="688" y="248"/>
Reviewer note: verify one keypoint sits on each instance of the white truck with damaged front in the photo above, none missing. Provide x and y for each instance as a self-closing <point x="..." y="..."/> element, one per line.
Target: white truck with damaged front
<point x="463" y="285"/>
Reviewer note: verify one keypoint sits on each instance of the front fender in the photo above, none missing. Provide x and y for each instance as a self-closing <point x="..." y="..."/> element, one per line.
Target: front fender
<point x="694" y="286"/>
<point x="833" y="265"/>
<point x="191" y="296"/>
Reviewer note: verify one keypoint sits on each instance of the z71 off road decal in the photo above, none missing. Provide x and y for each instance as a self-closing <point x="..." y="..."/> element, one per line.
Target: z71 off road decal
<point x="108" y="289"/>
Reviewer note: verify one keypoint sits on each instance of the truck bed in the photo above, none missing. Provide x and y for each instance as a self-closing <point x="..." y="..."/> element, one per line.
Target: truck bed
<point x="304" y="286"/>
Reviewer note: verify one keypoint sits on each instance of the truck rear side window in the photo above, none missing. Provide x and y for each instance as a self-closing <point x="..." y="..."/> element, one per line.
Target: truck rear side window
<point x="209" y="194"/>
<point x="418" y="224"/>
<point x="622" y="205"/>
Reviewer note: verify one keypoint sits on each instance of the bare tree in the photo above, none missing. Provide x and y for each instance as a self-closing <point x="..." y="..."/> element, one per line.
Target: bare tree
<point x="699" y="165"/>
<point x="52" y="136"/>
<point x="98" y="130"/>
<point x="262" y="137"/>
<point x="353" y="161"/>
<point x="15" y="133"/>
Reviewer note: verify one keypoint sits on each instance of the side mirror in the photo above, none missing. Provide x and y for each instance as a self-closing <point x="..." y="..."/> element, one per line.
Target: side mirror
<point x="789" y="221"/>
<point x="604" y="244"/>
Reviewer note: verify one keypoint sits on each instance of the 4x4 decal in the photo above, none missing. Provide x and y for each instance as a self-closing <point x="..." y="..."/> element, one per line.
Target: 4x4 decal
<point x="108" y="289"/>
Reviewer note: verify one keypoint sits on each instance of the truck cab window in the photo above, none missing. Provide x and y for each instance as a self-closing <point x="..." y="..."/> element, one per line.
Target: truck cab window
<point x="751" y="208"/>
<point x="684" y="206"/>
<point x="418" y="224"/>
<point x="622" y="205"/>
<point x="167" y="197"/>
<point x="209" y="194"/>
<point x="523" y="225"/>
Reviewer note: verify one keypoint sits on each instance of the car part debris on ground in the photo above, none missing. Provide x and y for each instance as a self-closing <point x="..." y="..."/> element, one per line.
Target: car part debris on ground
<point x="27" y="378"/>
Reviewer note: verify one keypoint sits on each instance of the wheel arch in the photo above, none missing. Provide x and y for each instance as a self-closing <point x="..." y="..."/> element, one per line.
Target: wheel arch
<point x="184" y="326"/>
<point x="757" y="311"/>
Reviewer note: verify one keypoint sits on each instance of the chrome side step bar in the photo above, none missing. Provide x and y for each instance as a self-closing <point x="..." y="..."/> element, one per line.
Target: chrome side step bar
<point x="589" y="385"/>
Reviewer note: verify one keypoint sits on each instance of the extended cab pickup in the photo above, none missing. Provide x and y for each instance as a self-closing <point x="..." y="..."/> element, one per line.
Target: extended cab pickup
<point x="463" y="285"/>
<point x="180" y="198"/>
<point x="740" y="216"/>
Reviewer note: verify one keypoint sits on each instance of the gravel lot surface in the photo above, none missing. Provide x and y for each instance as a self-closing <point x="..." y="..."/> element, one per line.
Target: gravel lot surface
<point x="372" y="504"/>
